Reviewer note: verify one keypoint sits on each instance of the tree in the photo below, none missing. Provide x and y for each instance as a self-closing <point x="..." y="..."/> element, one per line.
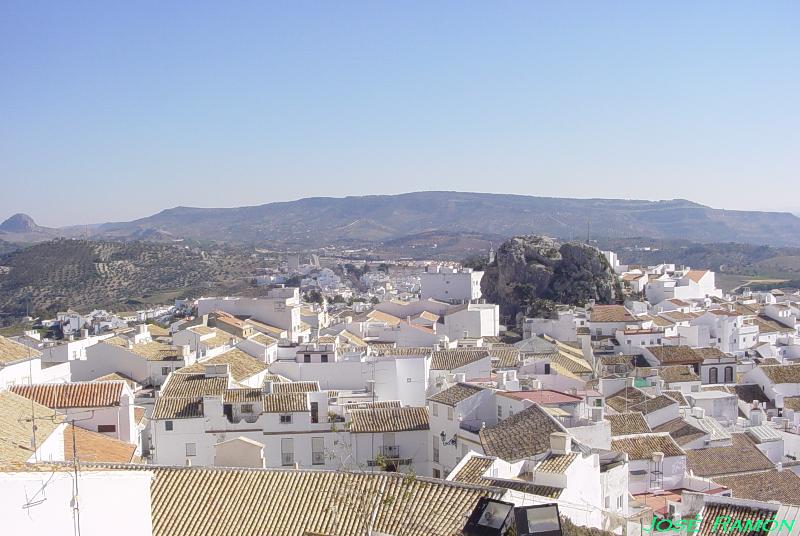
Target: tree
<point x="313" y="296"/>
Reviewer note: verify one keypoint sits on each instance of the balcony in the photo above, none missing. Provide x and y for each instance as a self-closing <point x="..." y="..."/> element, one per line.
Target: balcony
<point x="390" y="451"/>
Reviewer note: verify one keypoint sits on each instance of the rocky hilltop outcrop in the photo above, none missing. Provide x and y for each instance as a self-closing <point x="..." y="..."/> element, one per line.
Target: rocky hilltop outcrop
<point x="19" y="223"/>
<point x="530" y="274"/>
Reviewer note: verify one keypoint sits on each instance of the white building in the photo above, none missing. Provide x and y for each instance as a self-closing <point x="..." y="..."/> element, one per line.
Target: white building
<point x="450" y="285"/>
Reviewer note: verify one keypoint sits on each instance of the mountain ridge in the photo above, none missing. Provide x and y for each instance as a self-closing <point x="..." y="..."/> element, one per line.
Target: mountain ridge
<point x="315" y="221"/>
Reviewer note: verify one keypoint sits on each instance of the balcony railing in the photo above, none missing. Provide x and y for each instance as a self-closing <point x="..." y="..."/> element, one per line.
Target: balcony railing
<point x="390" y="451"/>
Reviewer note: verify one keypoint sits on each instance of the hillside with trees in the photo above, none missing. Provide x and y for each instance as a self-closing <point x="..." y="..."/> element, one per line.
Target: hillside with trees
<point x="79" y="274"/>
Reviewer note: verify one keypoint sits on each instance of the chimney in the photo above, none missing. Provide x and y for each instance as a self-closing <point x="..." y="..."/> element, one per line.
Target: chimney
<point x="658" y="457"/>
<point x="185" y="350"/>
<point x="698" y="412"/>
<point x="84" y="333"/>
<point x="560" y="443"/>
<point x="188" y="462"/>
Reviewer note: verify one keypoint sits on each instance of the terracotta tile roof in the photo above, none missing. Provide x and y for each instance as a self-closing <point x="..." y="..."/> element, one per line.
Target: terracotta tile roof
<point x="181" y="385"/>
<point x="696" y="275"/>
<point x="297" y="503"/>
<point x="15" y="426"/>
<point x="139" y="414"/>
<point x="118" y="376"/>
<point x="12" y="352"/>
<point x="455" y="394"/>
<point x="505" y="357"/>
<point x="472" y="473"/>
<point x="675" y="355"/>
<point x="524" y="434"/>
<point x="740" y="457"/>
<point x="401" y="350"/>
<point x="272" y="331"/>
<point x="792" y="402"/>
<point x="379" y="316"/>
<point x="681" y="431"/>
<point x="650" y="405"/>
<point x="623" y="400"/>
<point x="151" y="351"/>
<point x="94" y="447"/>
<point x="248" y="394"/>
<point x="710" y="352"/>
<point x="473" y="469"/>
<point x="617" y="359"/>
<point x="627" y="423"/>
<point x="711" y="512"/>
<point x="453" y="359"/>
<point x="157" y="331"/>
<point x="178" y="408"/>
<point x="242" y="365"/>
<point x="642" y="446"/>
<point x="263" y="338"/>
<point x="610" y="313"/>
<point x="677" y="396"/>
<point x="352" y="338"/>
<point x="572" y="363"/>
<point x="543" y="396"/>
<point x="295" y="387"/>
<point x="778" y="374"/>
<point x="389" y="419"/>
<point x="369" y="405"/>
<point x="767" y="325"/>
<point x="285" y="403"/>
<point x="678" y="374"/>
<point x="772" y="485"/>
<point x="556" y="463"/>
<point x="73" y="395"/>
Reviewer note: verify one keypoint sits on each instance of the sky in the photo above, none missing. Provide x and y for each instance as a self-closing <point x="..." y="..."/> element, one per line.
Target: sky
<point x="111" y="111"/>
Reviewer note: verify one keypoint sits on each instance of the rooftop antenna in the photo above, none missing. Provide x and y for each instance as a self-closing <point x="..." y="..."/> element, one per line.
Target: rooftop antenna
<point x="588" y="228"/>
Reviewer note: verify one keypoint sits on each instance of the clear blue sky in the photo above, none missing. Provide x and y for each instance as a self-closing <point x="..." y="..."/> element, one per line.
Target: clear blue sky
<point x="112" y="111"/>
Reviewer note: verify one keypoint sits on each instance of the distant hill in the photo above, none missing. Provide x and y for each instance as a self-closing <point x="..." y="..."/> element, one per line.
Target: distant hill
<point x="314" y="221"/>
<point x="317" y="221"/>
<point x="83" y="275"/>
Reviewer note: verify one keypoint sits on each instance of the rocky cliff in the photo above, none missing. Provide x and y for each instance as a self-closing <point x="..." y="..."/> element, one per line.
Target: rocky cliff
<point x="532" y="273"/>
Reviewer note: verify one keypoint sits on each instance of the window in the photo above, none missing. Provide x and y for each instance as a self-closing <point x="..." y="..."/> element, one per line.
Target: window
<point x="247" y="408"/>
<point x="191" y="449"/>
<point x="437" y="473"/>
<point x="608" y="502"/>
<point x="164" y="371"/>
<point x="598" y="402"/>
<point x="307" y="358"/>
<point x="547" y="368"/>
<point x="499" y="411"/>
<point x="324" y="358"/>
<point x="435" y="408"/>
<point x="106" y="428"/>
<point x="449" y="413"/>
<point x="436" y="448"/>
<point x="286" y="419"/>
<point x="713" y="375"/>
<point x="317" y="451"/>
<point x="287" y="451"/>
<point x="168" y="426"/>
<point x="619" y="502"/>
<point x="728" y="374"/>
<point x="315" y="412"/>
